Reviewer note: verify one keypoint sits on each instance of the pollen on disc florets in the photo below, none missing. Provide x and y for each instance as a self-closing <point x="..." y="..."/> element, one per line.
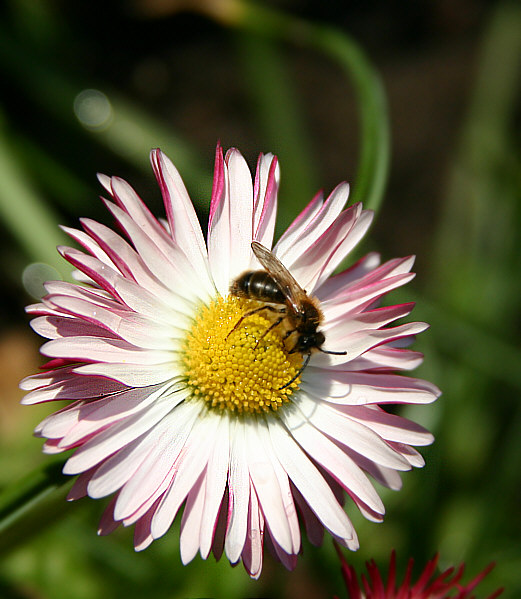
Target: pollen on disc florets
<point x="239" y="369"/>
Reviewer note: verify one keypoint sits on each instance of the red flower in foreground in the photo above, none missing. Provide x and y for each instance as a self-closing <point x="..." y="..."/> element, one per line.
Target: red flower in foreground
<point x="444" y="586"/>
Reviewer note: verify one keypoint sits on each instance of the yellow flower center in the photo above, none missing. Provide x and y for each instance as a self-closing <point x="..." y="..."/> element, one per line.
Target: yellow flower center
<point x="238" y="365"/>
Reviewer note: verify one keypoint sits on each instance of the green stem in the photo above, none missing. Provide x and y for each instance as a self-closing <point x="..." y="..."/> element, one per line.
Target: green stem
<point x="371" y="101"/>
<point x="30" y="504"/>
<point x="279" y="119"/>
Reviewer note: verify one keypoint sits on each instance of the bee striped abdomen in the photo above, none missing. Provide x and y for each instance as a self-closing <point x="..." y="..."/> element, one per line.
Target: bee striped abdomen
<point x="259" y="285"/>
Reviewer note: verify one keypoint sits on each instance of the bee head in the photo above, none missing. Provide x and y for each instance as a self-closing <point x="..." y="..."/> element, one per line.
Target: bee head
<point x="308" y="341"/>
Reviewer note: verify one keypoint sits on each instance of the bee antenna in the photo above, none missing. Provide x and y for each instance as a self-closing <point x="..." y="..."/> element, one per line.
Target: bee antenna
<point x="335" y="353"/>
<point x="306" y="362"/>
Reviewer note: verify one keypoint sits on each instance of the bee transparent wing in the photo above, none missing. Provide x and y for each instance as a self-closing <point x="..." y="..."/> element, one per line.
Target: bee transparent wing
<point x="284" y="279"/>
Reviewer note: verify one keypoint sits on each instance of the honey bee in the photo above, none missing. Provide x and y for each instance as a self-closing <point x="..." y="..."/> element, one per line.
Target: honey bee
<point x="276" y="285"/>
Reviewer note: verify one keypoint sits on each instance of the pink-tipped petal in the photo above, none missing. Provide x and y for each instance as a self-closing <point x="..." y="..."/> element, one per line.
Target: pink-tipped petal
<point x="266" y="186"/>
<point x="182" y="219"/>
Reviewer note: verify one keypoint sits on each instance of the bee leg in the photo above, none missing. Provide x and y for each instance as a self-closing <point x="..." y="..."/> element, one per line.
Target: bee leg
<point x="306" y="362"/>
<point x="295" y="349"/>
<point x="250" y="313"/>
<point x="288" y="333"/>
<point x="272" y="326"/>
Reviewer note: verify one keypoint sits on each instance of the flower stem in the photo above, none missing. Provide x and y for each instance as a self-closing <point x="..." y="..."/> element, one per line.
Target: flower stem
<point x="371" y="100"/>
<point x="28" y="505"/>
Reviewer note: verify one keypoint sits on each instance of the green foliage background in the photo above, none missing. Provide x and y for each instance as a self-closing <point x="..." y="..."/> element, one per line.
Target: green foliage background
<point x="297" y="84"/>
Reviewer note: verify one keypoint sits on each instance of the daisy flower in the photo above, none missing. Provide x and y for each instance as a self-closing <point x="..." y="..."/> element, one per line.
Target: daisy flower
<point x="445" y="585"/>
<point x="183" y="394"/>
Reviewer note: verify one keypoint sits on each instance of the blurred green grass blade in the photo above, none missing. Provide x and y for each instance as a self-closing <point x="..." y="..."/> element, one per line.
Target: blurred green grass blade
<point x="277" y="109"/>
<point x="478" y="240"/>
<point x="374" y="141"/>
<point x="478" y="349"/>
<point x="32" y="503"/>
<point x="496" y="91"/>
<point x="25" y="214"/>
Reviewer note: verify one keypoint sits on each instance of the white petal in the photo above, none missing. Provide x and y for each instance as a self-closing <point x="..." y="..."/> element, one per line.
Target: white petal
<point x="332" y="459"/>
<point x="114" y="472"/>
<point x="313" y="221"/>
<point x="72" y="388"/>
<point x="241" y="212"/>
<point x="367" y="320"/>
<point x="107" y="523"/>
<point x="414" y="458"/>
<point x="169" y="263"/>
<point x="252" y="553"/>
<point x="130" y="293"/>
<point x="170" y="438"/>
<point x="220" y="228"/>
<point x="79" y="488"/>
<point x="128" y="261"/>
<point x="134" y="328"/>
<point x="216" y="476"/>
<point x="182" y="217"/>
<point x="191" y="463"/>
<point x="191" y="521"/>
<point x="132" y="204"/>
<point x="114" y="438"/>
<point x="332" y="286"/>
<point x="104" y="350"/>
<point x="239" y="495"/>
<point x="362" y="388"/>
<point x="310" y="483"/>
<point x="385" y="357"/>
<point x="133" y="375"/>
<point x="314" y="528"/>
<point x="265" y="206"/>
<point x="390" y="426"/>
<point x="267" y="488"/>
<point x="352" y="293"/>
<point x="82" y="419"/>
<point x="142" y="535"/>
<point x="58" y="424"/>
<point x="53" y="327"/>
<point x="315" y="258"/>
<point x="285" y="488"/>
<point x="89" y="244"/>
<point x="356" y="344"/>
<point x="358" y="437"/>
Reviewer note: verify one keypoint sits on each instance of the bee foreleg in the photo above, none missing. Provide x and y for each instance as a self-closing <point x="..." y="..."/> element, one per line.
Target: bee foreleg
<point x="296" y="348"/>
<point x="251" y="312"/>
<point x="272" y="326"/>
<point x="301" y="369"/>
